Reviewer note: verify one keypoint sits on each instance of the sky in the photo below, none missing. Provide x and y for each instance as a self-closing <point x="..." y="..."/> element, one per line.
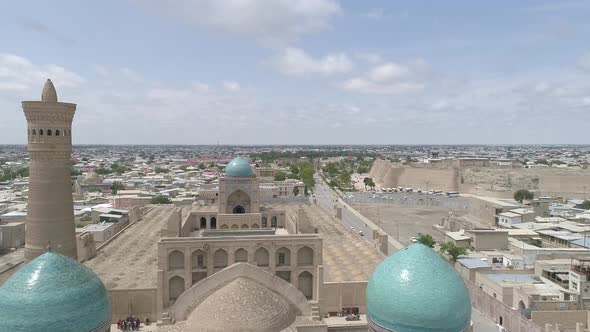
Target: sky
<point x="302" y="71"/>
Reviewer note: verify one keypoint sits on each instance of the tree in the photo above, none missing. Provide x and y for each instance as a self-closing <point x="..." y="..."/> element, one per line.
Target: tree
<point x="202" y="166"/>
<point x="452" y="250"/>
<point x="280" y="176"/>
<point x="306" y="170"/>
<point x="366" y="182"/>
<point x="116" y="186"/>
<point x="585" y="205"/>
<point x="294" y="169"/>
<point x="427" y="240"/>
<point x="75" y="172"/>
<point x="119" y="169"/>
<point x="160" y="200"/>
<point x="102" y="171"/>
<point x="159" y="170"/>
<point x="372" y="183"/>
<point x="295" y="191"/>
<point x="522" y="194"/>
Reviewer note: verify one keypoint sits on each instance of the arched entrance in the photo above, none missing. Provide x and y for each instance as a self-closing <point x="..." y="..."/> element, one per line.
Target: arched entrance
<point x="213" y="223"/>
<point x="239" y="209"/>
<point x="305" y="284"/>
<point x="261" y="257"/>
<point x="176" y="287"/>
<point x="238" y="202"/>
<point x="203" y="224"/>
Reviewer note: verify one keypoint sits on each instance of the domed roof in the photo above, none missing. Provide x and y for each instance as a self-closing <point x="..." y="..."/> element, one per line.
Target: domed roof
<point x="48" y="94"/>
<point x="242" y="305"/>
<point x="54" y="293"/>
<point x="415" y="290"/>
<point x="238" y="167"/>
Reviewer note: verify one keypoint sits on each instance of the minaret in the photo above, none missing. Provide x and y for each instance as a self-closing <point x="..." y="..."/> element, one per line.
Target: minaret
<point x="50" y="213"/>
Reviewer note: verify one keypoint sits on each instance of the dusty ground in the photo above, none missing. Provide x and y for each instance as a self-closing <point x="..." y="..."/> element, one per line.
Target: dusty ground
<point x="403" y="222"/>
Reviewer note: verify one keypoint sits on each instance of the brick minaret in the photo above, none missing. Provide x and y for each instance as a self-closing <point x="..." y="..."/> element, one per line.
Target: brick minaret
<point x="50" y="213"/>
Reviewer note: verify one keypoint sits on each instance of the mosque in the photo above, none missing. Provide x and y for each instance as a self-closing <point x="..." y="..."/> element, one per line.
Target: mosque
<point x="240" y="265"/>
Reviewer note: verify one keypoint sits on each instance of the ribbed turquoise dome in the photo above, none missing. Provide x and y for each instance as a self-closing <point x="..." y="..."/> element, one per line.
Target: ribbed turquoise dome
<point x="54" y="293"/>
<point x="415" y="290"/>
<point x="238" y="167"/>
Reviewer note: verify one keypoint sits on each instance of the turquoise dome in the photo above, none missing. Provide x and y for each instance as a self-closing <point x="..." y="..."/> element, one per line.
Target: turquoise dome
<point x="415" y="290"/>
<point x="238" y="167"/>
<point x="54" y="293"/>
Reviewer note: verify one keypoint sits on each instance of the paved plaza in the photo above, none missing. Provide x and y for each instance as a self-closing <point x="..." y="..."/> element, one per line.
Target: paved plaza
<point x="130" y="260"/>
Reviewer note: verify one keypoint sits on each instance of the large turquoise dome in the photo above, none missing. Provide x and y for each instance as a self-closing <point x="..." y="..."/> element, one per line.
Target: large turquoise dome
<point x="238" y="167"/>
<point x="415" y="290"/>
<point x="54" y="293"/>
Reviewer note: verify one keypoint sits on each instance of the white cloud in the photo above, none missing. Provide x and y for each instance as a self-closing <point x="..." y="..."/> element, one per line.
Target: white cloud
<point x="231" y="86"/>
<point x="18" y="73"/>
<point x="131" y="74"/>
<point x="101" y="70"/>
<point x="363" y="85"/>
<point x="296" y="62"/>
<point x="372" y="58"/>
<point x="389" y="72"/>
<point x="584" y="62"/>
<point x="376" y="14"/>
<point x="264" y="20"/>
<point x="200" y="87"/>
<point x="389" y="78"/>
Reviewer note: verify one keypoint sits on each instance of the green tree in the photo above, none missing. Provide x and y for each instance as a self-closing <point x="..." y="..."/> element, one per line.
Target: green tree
<point x="427" y="240"/>
<point x="366" y="182"/>
<point x="372" y="183"/>
<point x="585" y="205"/>
<point x="294" y="169"/>
<point x="280" y="176"/>
<point x="119" y="169"/>
<point x="102" y="171"/>
<point x="159" y="170"/>
<point x="452" y="250"/>
<point x="160" y="200"/>
<point x="307" y="171"/>
<point x="202" y="166"/>
<point x="522" y="194"/>
<point x="75" y="172"/>
<point x="116" y="186"/>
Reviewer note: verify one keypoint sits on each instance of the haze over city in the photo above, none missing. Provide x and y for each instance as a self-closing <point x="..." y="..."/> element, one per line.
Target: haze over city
<point x="307" y="72"/>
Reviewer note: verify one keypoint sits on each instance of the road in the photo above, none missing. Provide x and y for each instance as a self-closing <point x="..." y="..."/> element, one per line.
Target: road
<point x="325" y="198"/>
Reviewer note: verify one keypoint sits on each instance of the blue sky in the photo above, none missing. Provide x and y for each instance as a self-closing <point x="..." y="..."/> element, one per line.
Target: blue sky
<point x="302" y="71"/>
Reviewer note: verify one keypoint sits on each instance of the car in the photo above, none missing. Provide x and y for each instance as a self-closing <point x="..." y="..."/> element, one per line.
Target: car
<point x="361" y="233"/>
<point x="413" y="239"/>
<point x="352" y="228"/>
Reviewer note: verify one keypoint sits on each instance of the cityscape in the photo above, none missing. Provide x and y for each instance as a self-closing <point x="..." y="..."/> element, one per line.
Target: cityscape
<point x="277" y="166"/>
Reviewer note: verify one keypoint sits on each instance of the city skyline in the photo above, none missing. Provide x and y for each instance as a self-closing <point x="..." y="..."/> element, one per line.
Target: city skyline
<point x="315" y="72"/>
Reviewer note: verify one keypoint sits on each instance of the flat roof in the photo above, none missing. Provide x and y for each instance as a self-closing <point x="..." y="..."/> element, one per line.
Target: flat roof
<point x="457" y="236"/>
<point x="474" y="263"/>
<point x="510" y="214"/>
<point x="98" y="227"/>
<point x="512" y="278"/>
<point x="110" y="215"/>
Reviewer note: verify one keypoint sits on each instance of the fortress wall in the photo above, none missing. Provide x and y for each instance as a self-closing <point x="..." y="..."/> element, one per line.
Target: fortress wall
<point x="487" y="181"/>
<point x="387" y="175"/>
